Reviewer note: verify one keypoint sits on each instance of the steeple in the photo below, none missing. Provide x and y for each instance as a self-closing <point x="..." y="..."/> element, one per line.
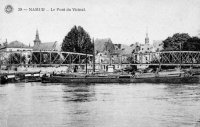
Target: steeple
<point x="6" y="42"/>
<point x="147" y="38"/>
<point x="37" y="39"/>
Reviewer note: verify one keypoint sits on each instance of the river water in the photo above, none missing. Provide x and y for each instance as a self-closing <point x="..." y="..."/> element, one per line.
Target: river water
<point x="99" y="105"/>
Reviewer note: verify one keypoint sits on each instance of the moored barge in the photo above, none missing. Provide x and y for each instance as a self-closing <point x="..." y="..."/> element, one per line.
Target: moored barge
<point x="174" y="79"/>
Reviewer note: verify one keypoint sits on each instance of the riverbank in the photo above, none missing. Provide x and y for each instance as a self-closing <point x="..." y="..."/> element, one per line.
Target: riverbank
<point x="63" y="75"/>
<point x="44" y="70"/>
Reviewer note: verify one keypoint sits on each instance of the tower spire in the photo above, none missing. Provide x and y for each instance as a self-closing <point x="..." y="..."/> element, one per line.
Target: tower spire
<point x="37" y="39"/>
<point x="5" y="43"/>
<point x="147" y="38"/>
<point x="37" y="34"/>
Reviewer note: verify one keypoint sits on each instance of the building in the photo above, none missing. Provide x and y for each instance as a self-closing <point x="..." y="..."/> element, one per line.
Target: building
<point x="104" y="45"/>
<point x="47" y="46"/>
<point x="144" y="51"/>
<point x="2" y="43"/>
<point x="157" y="45"/>
<point x="146" y="48"/>
<point x="16" y="47"/>
<point x="108" y="54"/>
<point x="118" y="57"/>
<point x="121" y="54"/>
<point x="102" y="60"/>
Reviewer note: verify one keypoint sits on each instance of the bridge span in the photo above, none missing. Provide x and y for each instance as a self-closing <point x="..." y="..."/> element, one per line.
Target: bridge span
<point x="184" y="58"/>
<point x="56" y="58"/>
<point x="42" y="58"/>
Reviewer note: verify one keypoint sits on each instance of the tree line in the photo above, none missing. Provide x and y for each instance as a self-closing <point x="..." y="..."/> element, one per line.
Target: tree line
<point x="181" y="42"/>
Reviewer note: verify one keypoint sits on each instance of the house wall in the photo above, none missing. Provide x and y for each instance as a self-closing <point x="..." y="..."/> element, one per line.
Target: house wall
<point x="145" y="48"/>
<point x="24" y="51"/>
<point x="19" y="49"/>
<point x="158" y="46"/>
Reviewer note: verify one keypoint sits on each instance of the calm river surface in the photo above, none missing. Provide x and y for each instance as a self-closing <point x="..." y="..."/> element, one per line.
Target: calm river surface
<point x="99" y="105"/>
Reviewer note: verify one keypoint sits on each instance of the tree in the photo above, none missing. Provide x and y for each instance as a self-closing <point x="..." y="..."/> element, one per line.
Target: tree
<point x="176" y="42"/>
<point x="77" y="40"/>
<point x="193" y="44"/>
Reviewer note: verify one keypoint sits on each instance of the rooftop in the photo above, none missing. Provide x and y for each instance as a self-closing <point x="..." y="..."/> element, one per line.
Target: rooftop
<point x="17" y="44"/>
<point x="47" y="46"/>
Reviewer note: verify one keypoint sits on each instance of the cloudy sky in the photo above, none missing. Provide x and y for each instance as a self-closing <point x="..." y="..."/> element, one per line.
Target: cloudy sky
<point x="124" y="21"/>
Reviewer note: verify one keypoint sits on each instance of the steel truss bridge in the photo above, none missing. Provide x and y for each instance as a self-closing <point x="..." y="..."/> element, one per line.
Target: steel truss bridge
<point x="43" y="58"/>
<point x="183" y="58"/>
<point x="56" y="58"/>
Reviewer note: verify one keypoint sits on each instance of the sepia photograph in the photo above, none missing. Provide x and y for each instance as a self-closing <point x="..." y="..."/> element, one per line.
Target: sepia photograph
<point x="100" y="63"/>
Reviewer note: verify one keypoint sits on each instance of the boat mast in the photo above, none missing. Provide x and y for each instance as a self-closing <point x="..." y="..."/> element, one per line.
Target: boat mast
<point x="181" y="55"/>
<point x="93" y="55"/>
<point x="86" y="63"/>
<point x="159" y="62"/>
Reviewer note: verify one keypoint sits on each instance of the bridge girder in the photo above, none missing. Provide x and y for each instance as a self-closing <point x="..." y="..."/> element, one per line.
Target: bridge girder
<point x="43" y="58"/>
<point x="69" y="58"/>
<point x="168" y="57"/>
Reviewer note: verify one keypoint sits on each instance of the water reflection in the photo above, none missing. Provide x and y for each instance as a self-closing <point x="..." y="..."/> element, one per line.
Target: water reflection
<point x="77" y="105"/>
<point x="79" y="93"/>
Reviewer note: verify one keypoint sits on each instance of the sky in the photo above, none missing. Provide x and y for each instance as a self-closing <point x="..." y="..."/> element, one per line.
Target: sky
<point x="124" y="21"/>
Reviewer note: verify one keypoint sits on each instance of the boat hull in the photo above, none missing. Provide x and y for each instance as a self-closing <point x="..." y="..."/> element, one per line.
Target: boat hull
<point x="60" y="79"/>
<point x="3" y="79"/>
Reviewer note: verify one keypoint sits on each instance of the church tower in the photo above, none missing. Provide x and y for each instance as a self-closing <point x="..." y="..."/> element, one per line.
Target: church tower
<point x="37" y="39"/>
<point x="147" y="39"/>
